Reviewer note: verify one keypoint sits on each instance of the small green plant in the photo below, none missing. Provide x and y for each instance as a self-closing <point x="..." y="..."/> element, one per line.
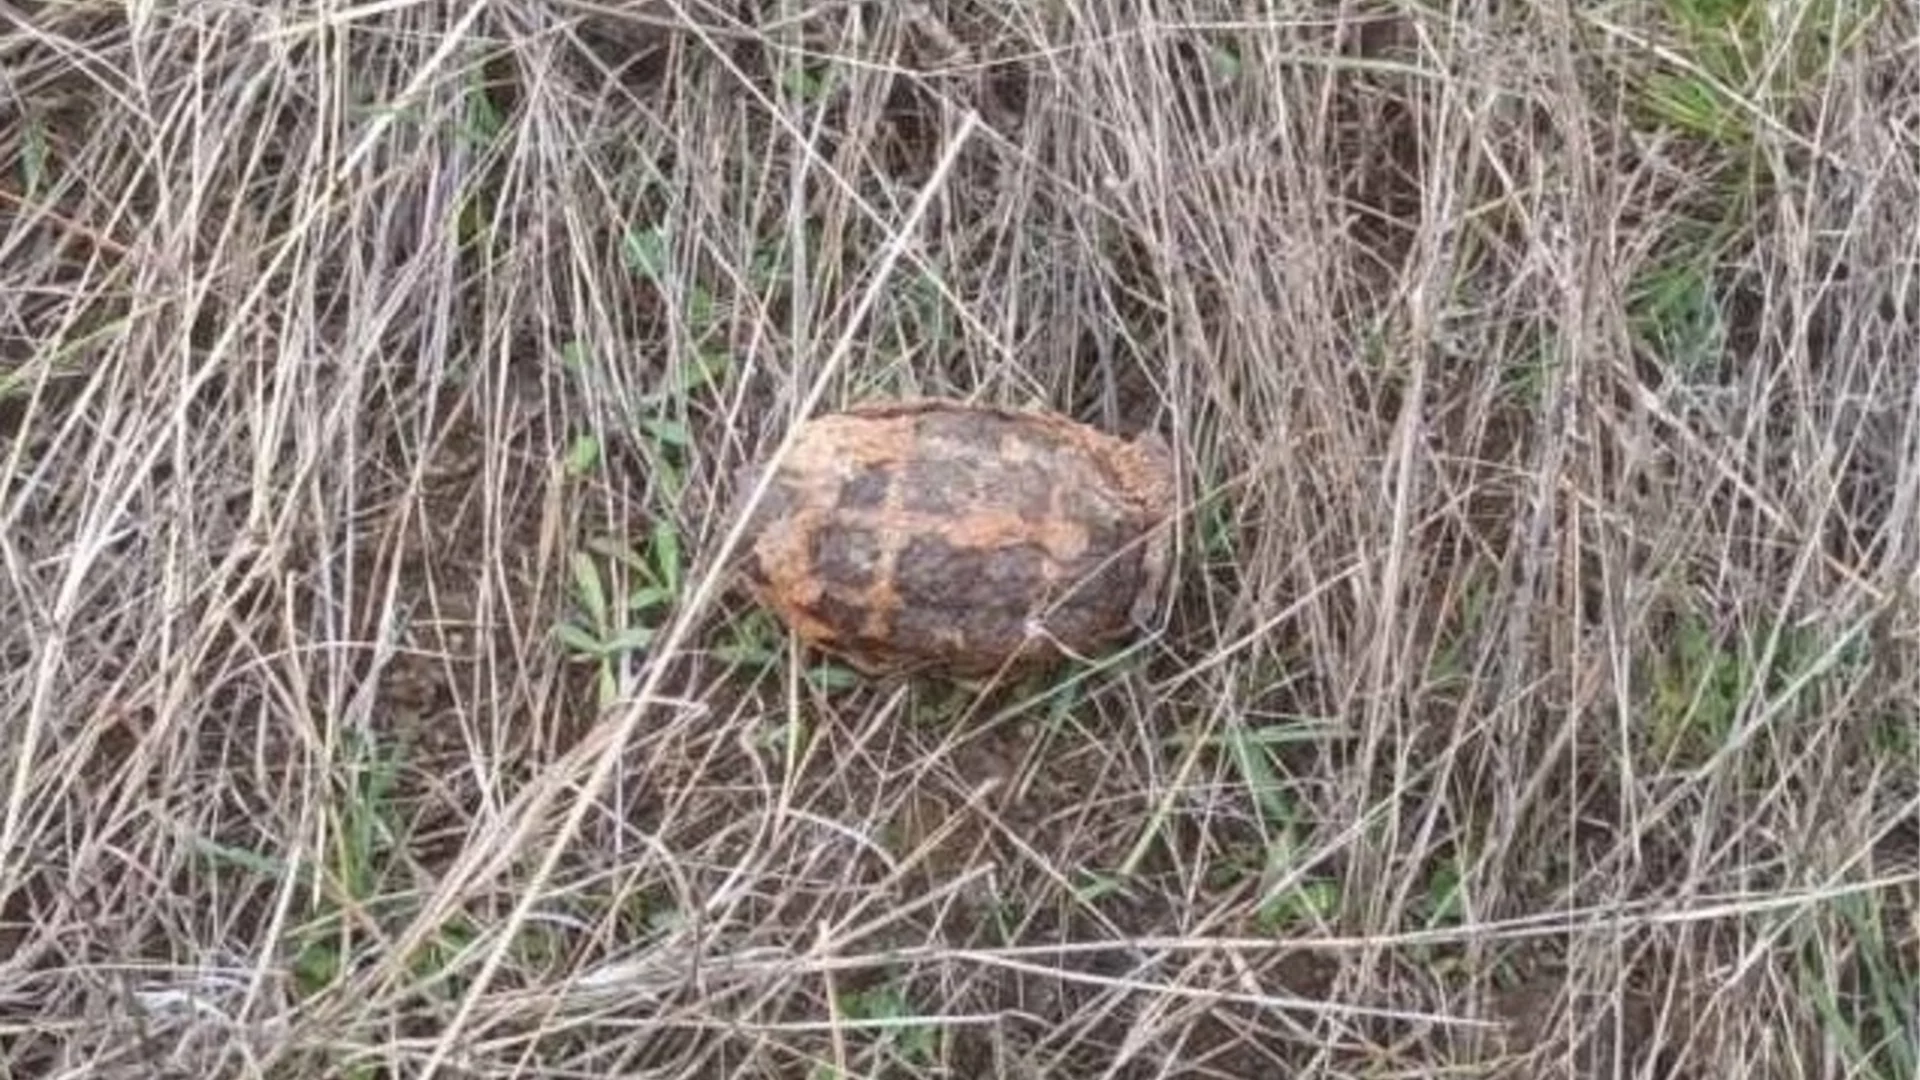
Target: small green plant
<point x="753" y="642"/>
<point x="479" y="126"/>
<point x="619" y="600"/>
<point x="1730" y="67"/>
<point x="1445" y="901"/>
<point x="1307" y="905"/>
<point x="1697" y="689"/>
<point x="583" y="456"/>
<point x="1442" y="904"/>
<point x="808" y="84"/>
<point x="1864" y="987"/>
<point x="832" y="676"/>
<point x="362" y="843"/>
<point x="901" y="1036"/>
<point x="1703" y="680"/>
<point x="1674" y="306"/>
<point x="702" y="364"/>
<point x="1091" y="886"/>
<point x="356" y="899"/>
<point x="1218" y="525"/>
<point x="1895" y="733"/>
<point x="772" y="261"/>
<point x="1308" y="901"/>
<point x="916" y="319"/>
<point x="1224" y="61"/>
<point x="483" y="121"/>
<point x="649" y="255"/>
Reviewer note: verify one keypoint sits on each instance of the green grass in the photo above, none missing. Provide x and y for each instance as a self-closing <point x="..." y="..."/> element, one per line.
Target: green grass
<point x="1730" y="71"/>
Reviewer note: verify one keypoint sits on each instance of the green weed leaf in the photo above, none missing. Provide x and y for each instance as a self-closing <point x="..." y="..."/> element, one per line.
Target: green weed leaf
<point x="833" y="677"/>
<point x="588" y="590"/>
<point x="583" y="455"/>
<point x="579" y="639"/>
<point x="647" y="253"/>
<point x="666" y="555"/>
<point x="632" y="639"/>
<point x="648" y="596"/>
<point x="667" y="432"/>
<point x="705" y="369"/>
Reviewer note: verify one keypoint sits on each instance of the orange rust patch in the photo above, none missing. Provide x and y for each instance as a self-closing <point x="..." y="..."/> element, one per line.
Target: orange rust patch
<point x="1062" y="540"/>
<point x="786" y="564"/>
<point x="838" y="445"/>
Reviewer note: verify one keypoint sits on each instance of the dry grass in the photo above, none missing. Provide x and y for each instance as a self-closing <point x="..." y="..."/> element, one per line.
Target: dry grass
<point x="1539" y="695"/>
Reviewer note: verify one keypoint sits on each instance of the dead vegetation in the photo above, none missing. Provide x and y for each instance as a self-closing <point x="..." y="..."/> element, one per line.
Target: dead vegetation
<point x="1539" y="695"/>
